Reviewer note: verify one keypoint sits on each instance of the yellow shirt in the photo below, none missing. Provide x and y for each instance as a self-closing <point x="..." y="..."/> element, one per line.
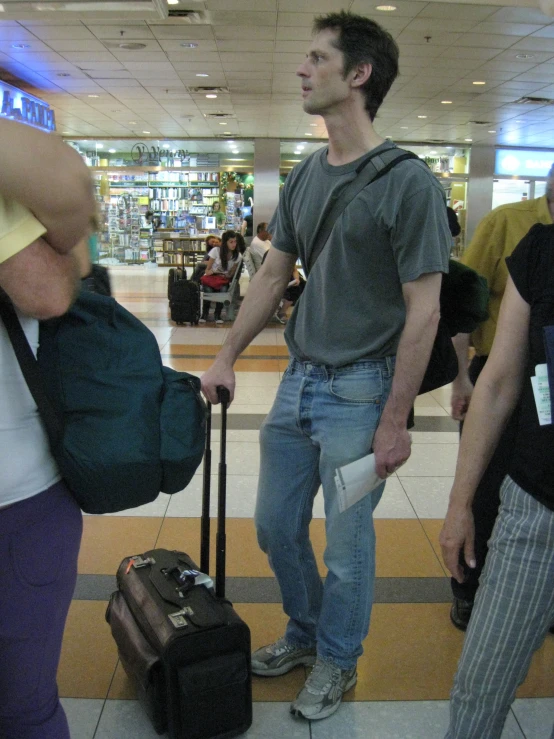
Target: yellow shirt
<point x="18" y="228"/>
<point x="496" y="237"/>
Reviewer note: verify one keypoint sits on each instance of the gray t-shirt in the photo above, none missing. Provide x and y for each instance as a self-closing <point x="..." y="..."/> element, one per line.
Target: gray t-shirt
<point x="394" y="231"/>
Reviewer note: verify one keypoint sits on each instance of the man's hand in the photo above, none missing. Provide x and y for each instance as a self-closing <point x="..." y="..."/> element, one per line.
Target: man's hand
<point x="392" y="447"/>
<point x="458" y="535"/>
<point x="220" y="373"/>
<point x="462" y="389"/>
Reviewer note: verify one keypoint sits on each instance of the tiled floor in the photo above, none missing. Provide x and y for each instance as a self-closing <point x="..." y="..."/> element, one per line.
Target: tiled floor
<point x="411" y="652"/>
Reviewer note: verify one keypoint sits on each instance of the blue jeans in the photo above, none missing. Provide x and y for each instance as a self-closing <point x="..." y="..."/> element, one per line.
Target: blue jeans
<point x="322" y="419"/>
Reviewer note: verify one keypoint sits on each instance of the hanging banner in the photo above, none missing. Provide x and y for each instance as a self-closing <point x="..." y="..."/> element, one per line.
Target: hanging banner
<point x="25" y="108"/>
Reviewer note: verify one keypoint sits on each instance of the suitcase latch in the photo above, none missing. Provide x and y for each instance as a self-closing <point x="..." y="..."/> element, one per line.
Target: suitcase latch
<point x="140" y="561"/>
<point x="178" y="618"/>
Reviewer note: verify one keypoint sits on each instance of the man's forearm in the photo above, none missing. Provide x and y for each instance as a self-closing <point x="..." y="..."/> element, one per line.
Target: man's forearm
<point x="492" y="404"/>
<point x="260" y="303"/>
<point x="461" y="345"/>
<point x="412" y="359"/>
<point x="48" y="177"/>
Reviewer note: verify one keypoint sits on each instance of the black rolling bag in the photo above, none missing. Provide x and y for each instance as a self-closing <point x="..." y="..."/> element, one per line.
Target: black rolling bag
<point x="184" y="297"/>
<point x="175" y="274"/>
<point x="180" y="641"/>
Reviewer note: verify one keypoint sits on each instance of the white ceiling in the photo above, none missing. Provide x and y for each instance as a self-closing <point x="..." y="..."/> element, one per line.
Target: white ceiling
<point x="253" y="47"/>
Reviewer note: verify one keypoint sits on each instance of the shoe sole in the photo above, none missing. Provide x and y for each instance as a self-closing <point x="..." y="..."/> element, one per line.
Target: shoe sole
<point x="257" y="668"/>
<point x="327" y="711"/>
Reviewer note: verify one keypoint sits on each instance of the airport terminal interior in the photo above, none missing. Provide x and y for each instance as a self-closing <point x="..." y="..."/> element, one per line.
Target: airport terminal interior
<point x="176" y="105"/>
<point x="406" y="671"/>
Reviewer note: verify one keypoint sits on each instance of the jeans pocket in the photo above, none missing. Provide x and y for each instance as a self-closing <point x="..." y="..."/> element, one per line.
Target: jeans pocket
<point x="358" y="387"/>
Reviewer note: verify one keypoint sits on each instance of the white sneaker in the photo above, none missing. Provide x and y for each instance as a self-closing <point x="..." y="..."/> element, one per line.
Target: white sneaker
<point x="219" y="320"/>
<point x="201" y="320"/>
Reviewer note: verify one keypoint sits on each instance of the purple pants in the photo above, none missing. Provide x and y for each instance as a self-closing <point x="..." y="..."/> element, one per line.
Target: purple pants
<point x="39" y="544"/>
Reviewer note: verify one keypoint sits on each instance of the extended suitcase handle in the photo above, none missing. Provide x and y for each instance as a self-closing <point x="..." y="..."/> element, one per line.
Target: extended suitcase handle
<point x="224" y="397"/>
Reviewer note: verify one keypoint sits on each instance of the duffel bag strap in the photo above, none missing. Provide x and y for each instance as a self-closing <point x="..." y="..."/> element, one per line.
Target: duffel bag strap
<point x="29" y="368"/>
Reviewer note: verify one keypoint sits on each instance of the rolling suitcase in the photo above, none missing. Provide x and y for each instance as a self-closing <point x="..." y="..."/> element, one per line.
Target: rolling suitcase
<point x="184" y="302"/>
<point x="178" y="638"/>
<point x="175" y="274"/>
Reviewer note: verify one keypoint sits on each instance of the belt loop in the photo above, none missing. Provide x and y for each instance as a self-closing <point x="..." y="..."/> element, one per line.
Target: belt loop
<point x="390" y="367"/>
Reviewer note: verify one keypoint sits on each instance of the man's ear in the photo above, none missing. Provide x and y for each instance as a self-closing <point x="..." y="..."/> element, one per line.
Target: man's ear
<point x="361" y="74"/>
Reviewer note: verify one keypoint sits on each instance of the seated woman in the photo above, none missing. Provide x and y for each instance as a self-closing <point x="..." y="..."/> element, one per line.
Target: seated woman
<point x="514" y="606"/>
<point x="223" y="260"/>
<point x="201" y="267"/>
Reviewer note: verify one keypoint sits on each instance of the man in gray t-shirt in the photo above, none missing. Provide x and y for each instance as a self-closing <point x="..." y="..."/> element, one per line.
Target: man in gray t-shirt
<point x="359" y="338"/>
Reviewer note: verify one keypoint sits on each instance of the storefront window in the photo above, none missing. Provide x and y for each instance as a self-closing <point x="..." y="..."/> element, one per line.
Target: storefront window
<point x="157" y="200"/>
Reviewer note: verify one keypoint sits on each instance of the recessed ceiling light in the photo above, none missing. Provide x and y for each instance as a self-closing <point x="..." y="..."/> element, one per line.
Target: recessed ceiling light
<point x="99" y="146"/>
<point x="211" y="95"/>
<point x="201" y="74"/>
<point x="189" y="44"/>
<point x="132" y="123"/>
<point x="432" y="152"/>
<point x="468" y="139"/>
<point x="226" y="133"/>
<point x="308" y="134"/>
<point x="66" y="133"/>
<point x="63" y="74"/>
<point x="446" y="102"/>
<point x="525" y="56"/>
<point x="112" y="151"/>
<point x="479" y="82"/>
<point x="93" y="96"/>
<point x="21" y="46"/>
<point x="132" y="45"/>
<point x="422" y="116"/>
<point x="166" y="146"/>
<point x="173" y="2"/>
<point x="493" y="131"/>
<point x="313" y="125"/>
<point x="385" y="8"/>
<point x="146" y="131"/>
<point x="404" y="127"/>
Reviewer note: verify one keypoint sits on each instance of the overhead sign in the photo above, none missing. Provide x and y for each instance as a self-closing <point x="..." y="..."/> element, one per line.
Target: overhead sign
<point x="523" y="162"/>
<point x="20" y="106"/>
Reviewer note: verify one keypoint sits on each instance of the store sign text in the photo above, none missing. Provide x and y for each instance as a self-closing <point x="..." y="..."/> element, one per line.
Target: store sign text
<point x="18" y="106"/>
<point x="524" y="163"/>
<point x="143" y="154"/>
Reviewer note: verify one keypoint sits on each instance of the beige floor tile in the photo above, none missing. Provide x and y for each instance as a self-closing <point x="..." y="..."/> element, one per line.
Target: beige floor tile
<point x="108" y="539"/>
<point x="89" y="654"/>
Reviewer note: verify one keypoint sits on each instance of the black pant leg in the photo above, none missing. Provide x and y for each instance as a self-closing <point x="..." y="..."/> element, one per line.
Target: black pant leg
<point x="487" y="497"/>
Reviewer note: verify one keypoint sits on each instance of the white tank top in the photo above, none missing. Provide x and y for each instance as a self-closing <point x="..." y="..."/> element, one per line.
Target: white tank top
<point x="26" y="465"/>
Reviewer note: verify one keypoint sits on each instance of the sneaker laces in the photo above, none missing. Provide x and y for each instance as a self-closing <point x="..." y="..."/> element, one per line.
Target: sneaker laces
<point x="281" y="646"/>
<point x="322" y="677"/>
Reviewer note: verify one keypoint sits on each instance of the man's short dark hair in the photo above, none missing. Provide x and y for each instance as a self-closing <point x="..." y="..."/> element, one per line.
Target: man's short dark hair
<point x="261" y="227"/>
<point x="361" y="40"/>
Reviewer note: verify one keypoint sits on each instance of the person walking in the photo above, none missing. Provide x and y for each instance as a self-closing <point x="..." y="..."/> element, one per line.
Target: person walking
<point x="356" y="364"/>
<point x="514" y="605"/>
<point x="495" y="238"/>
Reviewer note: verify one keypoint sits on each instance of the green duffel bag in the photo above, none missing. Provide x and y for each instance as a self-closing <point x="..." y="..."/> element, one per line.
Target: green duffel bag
<point x="122" y="427"/>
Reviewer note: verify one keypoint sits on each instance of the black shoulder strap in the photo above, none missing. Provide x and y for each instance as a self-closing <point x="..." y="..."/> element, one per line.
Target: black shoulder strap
<point x="372" y="168"/>
<point x="31" y="373"/>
